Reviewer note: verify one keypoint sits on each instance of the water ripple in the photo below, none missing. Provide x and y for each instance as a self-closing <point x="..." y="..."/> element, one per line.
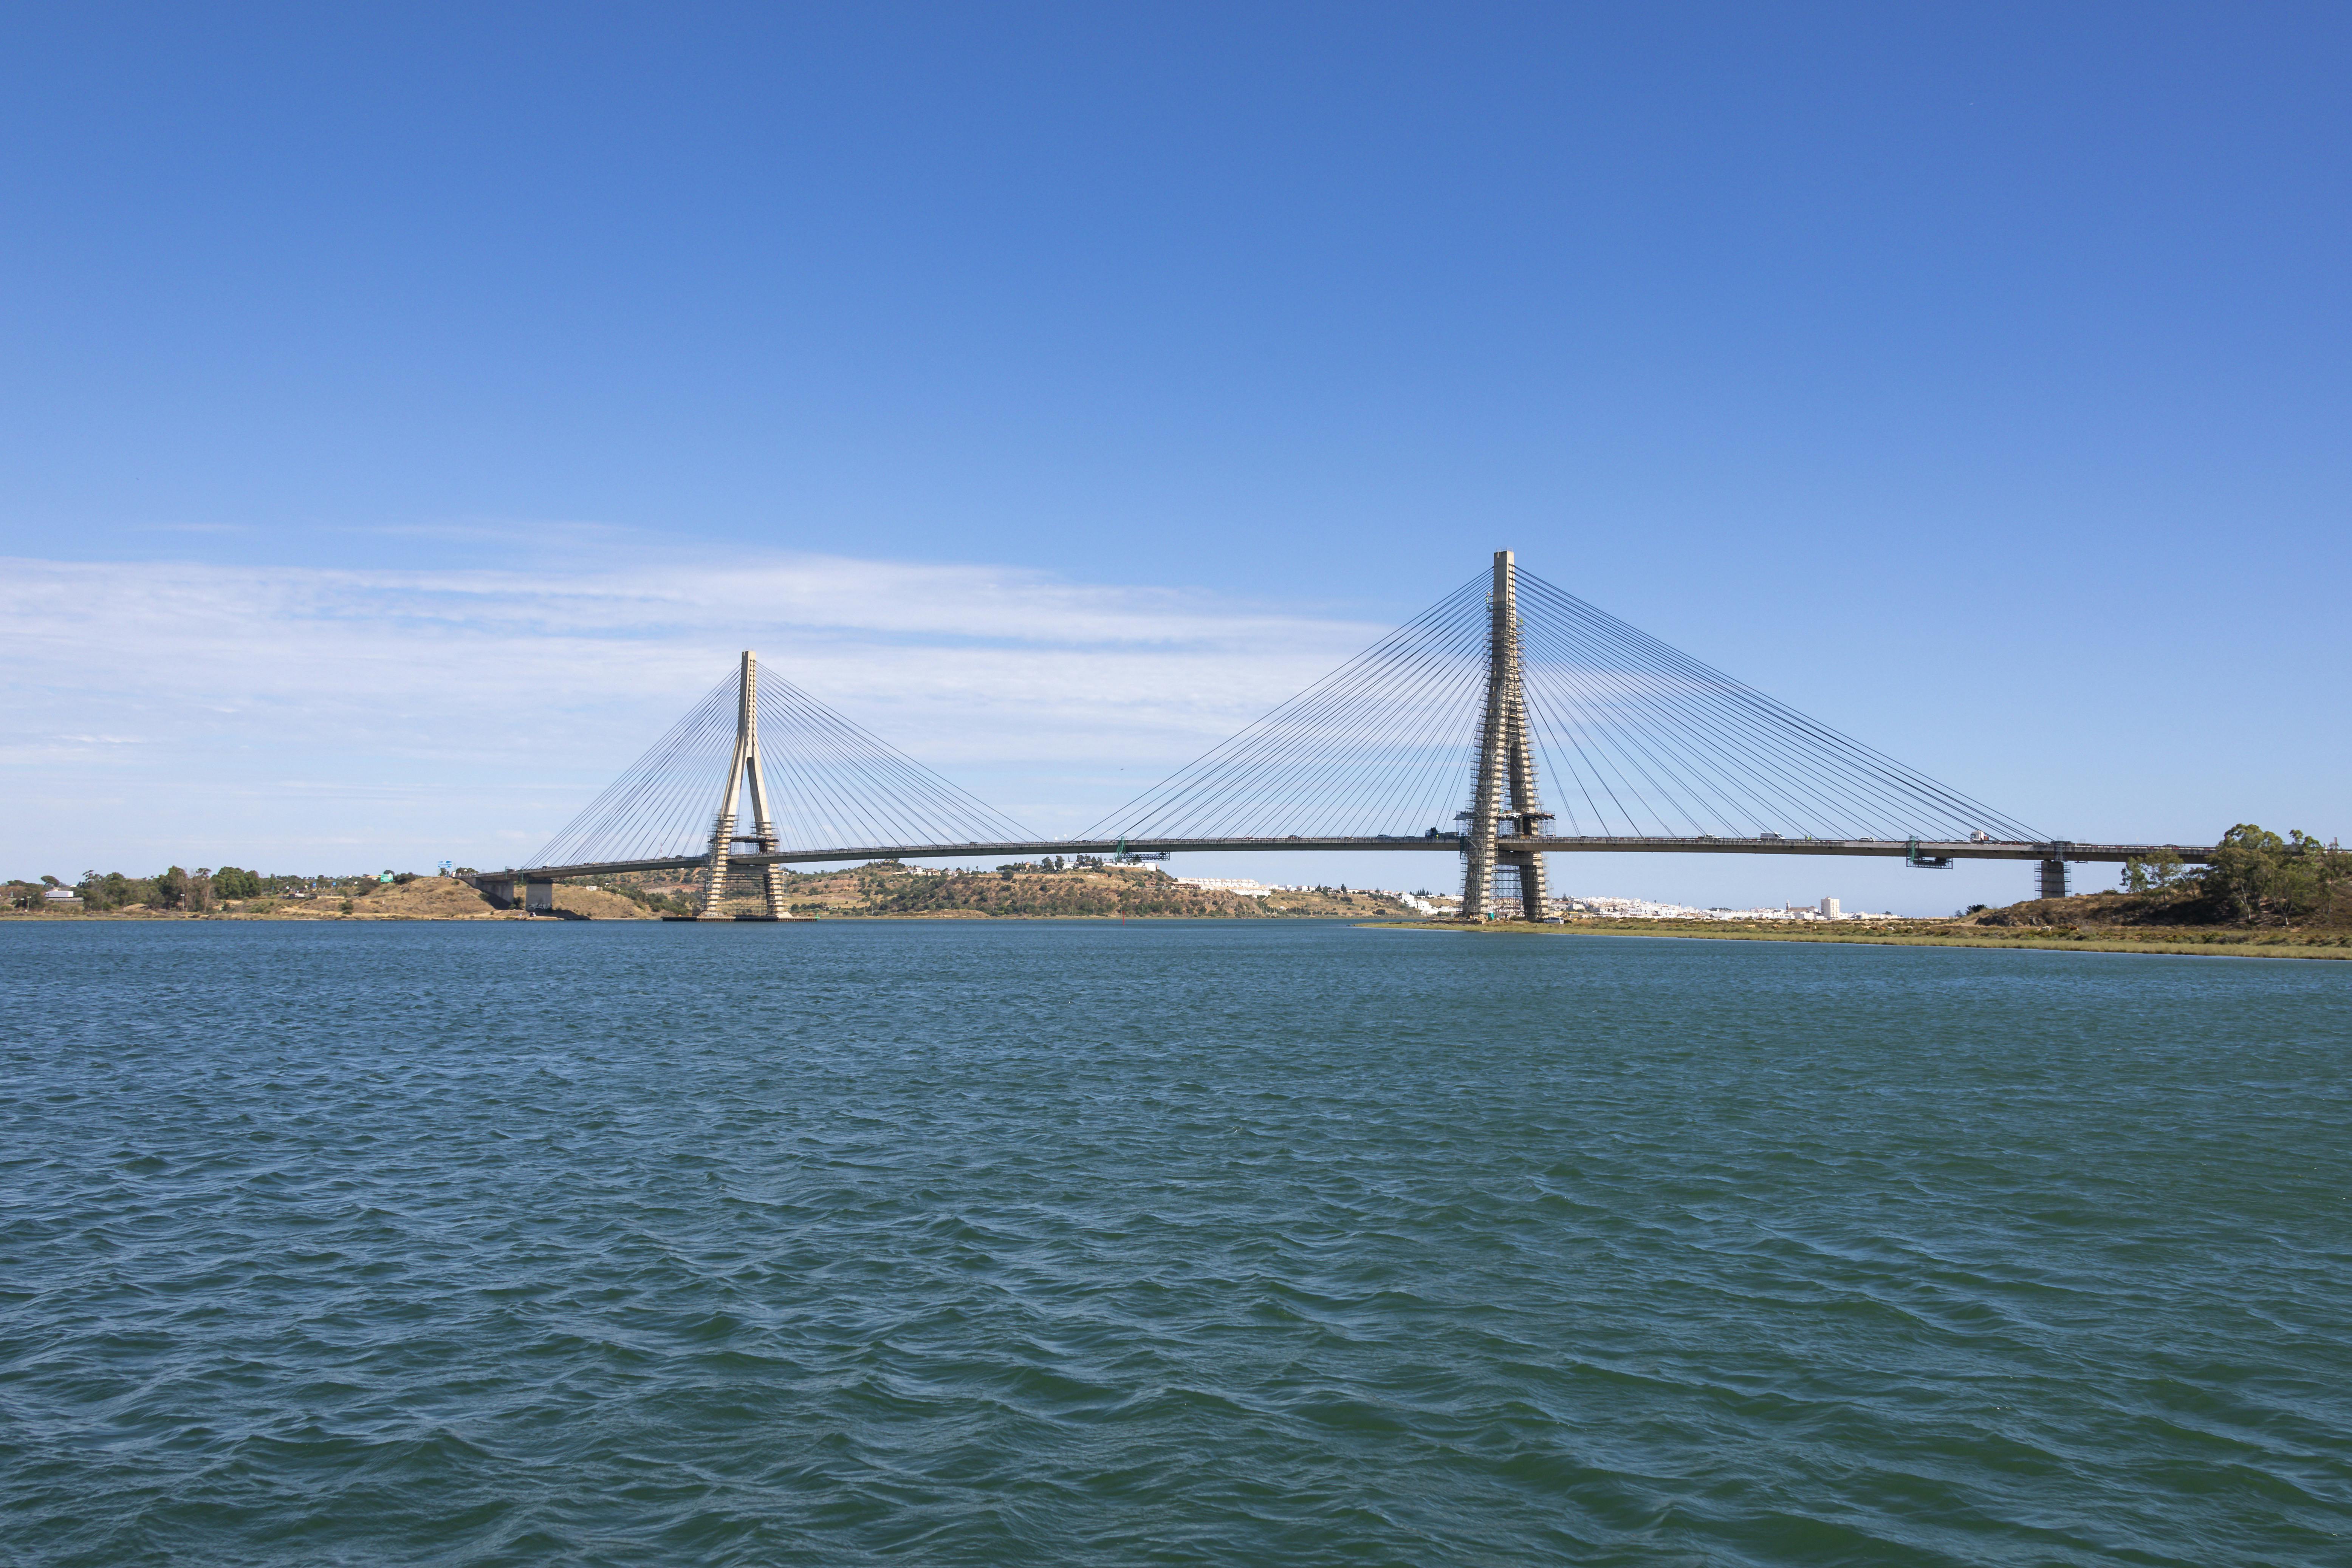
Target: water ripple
<point x="1164" y="1244"/>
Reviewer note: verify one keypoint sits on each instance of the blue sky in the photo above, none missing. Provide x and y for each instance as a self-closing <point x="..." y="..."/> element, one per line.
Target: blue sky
<point x="1050" y="386"/>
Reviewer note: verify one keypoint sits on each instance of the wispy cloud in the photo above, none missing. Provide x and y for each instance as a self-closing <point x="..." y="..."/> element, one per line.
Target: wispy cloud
<point x="252" y="690"/>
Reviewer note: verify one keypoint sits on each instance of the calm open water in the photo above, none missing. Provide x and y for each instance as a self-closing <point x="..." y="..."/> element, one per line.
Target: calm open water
<point x="1200" y="1242"/>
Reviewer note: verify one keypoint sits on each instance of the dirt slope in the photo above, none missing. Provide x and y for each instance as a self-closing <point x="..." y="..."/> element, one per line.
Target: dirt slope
<point x="885" y="889"/>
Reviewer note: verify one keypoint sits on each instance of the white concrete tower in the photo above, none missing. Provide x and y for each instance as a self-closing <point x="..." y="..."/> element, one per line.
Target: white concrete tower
<point x="744" y="768"/>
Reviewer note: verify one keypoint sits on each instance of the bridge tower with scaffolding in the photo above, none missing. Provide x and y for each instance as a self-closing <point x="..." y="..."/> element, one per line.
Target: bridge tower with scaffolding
<point x="743" y="775"/>
<point x="1506" y="809"/>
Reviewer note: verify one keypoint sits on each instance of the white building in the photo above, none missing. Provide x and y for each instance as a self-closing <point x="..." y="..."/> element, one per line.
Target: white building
<point x="1651" y="910"/>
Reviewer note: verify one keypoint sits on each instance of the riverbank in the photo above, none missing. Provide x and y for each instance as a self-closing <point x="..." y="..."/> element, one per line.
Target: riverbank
<point x="419" y="899"/>
<point x="882" y="890"/>
<point x="2213" y="943"/>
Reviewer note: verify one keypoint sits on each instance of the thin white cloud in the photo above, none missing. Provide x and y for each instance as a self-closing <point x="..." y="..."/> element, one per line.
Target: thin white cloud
<point x="282" y="699"/>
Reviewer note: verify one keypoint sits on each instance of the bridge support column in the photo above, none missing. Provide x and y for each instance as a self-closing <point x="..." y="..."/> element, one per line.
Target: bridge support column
<point x="1505" y="791"/>
<point x="539" y="895"/>
<point x="2052" y="883"/>
<point x="714" y="873"/>
<point x="1533" y="896"/>
<point x="763" y="827"/>
<point x="744" y="768"/>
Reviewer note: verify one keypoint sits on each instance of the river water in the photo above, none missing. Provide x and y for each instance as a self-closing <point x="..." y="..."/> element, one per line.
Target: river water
<point x="1165" y="1243"/>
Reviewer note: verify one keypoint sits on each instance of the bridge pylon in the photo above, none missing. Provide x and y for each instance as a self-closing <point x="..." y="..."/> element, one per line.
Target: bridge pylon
<point x="1506" y="810"/>
<point x="743" y="770"/>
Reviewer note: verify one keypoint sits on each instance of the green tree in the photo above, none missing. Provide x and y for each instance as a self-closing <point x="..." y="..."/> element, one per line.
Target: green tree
<point x="2158" y="873"/>
<point x="111" y="891"/>
<point x="2240" y="875"/>
<point x="2256" y="874"/>
<point x="2307" y="875"/>
<point x="171" y="888"/>
<point x="234" y="882"/>
<point x="2335" y="864"/>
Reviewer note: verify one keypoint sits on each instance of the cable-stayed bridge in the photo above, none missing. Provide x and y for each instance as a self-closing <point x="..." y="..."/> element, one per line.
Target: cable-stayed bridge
<point x="1509" y="721"/>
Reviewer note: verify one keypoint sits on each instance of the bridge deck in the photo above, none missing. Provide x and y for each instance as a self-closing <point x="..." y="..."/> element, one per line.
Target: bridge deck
<point x="1895" y="848"/>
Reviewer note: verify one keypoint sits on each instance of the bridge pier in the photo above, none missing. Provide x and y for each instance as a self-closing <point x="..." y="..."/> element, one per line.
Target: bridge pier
<point x="2051" y="883"/>
<point x="1529" y="865"/>
<point x="743" y="769"/>
<point x="1506" y="785"/>
<point x="538" y="895"/>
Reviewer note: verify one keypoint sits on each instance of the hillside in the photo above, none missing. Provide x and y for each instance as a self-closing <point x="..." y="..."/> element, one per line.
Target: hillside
<point x="424" y="899"/>
<point x="888" y="889"/>
<point x="2167" y="910"/>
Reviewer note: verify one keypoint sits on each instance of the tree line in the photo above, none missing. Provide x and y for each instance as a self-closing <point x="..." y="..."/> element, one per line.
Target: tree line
<point x="2255" y="877"/>
<point x="175" y="888"/>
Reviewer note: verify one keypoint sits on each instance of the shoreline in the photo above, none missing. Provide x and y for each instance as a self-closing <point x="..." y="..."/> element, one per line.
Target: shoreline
<point x="2054" y="942"/>
<point x="121" y="917"/>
